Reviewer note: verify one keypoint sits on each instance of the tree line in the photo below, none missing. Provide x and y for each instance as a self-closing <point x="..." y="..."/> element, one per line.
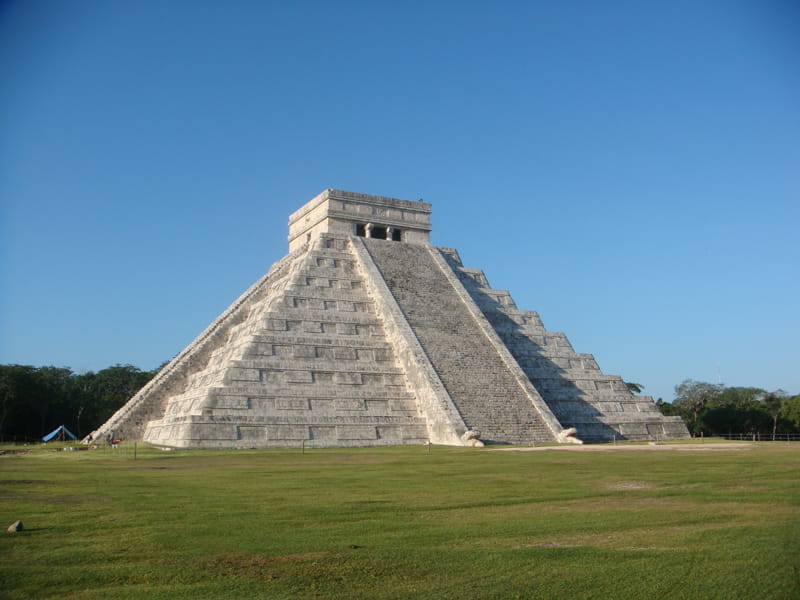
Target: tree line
<point x="36" y="400"/>
<point x="714" y="409"/>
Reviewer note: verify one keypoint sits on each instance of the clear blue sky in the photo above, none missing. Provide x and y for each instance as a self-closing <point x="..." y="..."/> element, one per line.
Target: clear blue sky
<point x="630" y="170"/>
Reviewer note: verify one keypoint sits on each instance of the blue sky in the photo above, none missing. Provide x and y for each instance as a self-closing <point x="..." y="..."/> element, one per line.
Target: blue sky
<point x="630" y="170"/>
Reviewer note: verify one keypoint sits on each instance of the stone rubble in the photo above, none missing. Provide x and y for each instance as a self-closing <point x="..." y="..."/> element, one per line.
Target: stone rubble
<point x="16" y="526"/>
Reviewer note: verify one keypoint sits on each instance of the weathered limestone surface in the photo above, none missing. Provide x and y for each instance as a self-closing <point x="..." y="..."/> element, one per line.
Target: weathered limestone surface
<point x="445" y="425"/>
<point x="130" y="421"/>
<point x="312" y="362"/>
<point x="485" y="391"/>
<point x="338" y="212"/>
<point x="599" y="406"/>
<point x="365" y="334"/>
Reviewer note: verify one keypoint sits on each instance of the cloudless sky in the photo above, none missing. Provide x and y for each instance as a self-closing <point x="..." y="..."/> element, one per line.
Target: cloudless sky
<point x="630" y="170"/>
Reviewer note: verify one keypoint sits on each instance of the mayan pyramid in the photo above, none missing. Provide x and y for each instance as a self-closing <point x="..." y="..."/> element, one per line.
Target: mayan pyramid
<point x="366" y="334"/>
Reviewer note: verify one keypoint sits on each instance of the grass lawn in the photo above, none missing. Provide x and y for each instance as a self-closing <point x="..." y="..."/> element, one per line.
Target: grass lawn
<point x="721" y="522"/>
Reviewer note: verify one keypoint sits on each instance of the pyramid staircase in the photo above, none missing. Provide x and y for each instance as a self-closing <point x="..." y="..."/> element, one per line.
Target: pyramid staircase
<point x="487" y="392"/>
<point x="599" y="406"/>
<point x="366" y="334"/>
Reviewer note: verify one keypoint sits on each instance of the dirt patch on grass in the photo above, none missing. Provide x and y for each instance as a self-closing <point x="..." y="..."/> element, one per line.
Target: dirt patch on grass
<point x="630" y="485"/>
<point x="242" y="565"/>
<point x="549" y="545"/>
<point x="299" y="557"/>
<point x="22" y="481"/>
<point x="250" y="566"/>
<point x="54" y="499"/>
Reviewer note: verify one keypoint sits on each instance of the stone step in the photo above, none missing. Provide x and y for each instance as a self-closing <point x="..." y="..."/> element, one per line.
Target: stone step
<point x="485" y="393"/>
<point x="285" y="340"/>
<point x="600" y="406"/>
<point x="312" y="353"/>
<point x="252" y="390"/>
<point x="301" y="363"/>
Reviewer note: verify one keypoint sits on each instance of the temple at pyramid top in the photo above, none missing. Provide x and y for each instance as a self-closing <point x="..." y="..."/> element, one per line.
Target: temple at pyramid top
<point x="349" y="213"/>
<point x="366" y="334"/>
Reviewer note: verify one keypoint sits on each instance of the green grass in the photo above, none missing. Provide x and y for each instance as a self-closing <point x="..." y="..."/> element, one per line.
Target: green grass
<point x="402" y="523"/>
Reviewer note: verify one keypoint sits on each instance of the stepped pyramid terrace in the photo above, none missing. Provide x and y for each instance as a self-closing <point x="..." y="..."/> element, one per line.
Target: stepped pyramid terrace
<point x="366" y="334"/>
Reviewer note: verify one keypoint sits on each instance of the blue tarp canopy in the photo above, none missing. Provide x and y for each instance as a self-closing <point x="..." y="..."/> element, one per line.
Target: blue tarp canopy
<point x="61" y="432"/>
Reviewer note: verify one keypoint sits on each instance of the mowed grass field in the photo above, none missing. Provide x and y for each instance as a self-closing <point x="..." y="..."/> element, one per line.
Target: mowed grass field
<point x="712" y="522"/>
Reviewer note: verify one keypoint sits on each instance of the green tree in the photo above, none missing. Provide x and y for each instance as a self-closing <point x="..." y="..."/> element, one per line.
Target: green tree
<point x="740" y="396"/>
<point x="773" y="402"/>
<point x="691" y="398"/>
<point x="790" y="413"/>
<point x="32" y="400"/>
<point x="667" y="408"/>
<point x="716" y="409"/>
<point x="101" y="394"/>
<point x="51" y="400"/>
<point x="634" y="388"/>
<point x="35" y="400"/>
<point x="17" y="383"/>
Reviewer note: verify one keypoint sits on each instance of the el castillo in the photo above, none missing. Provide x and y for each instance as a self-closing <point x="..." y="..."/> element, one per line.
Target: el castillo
<point x="366" y="334"/>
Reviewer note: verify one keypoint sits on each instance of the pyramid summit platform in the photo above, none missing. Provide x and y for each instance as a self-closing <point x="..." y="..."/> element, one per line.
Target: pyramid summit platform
<point x="366" y="334"/>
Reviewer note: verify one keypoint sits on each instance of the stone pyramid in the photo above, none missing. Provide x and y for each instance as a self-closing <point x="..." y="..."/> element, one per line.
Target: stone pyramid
<point x="366" y="334"/>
